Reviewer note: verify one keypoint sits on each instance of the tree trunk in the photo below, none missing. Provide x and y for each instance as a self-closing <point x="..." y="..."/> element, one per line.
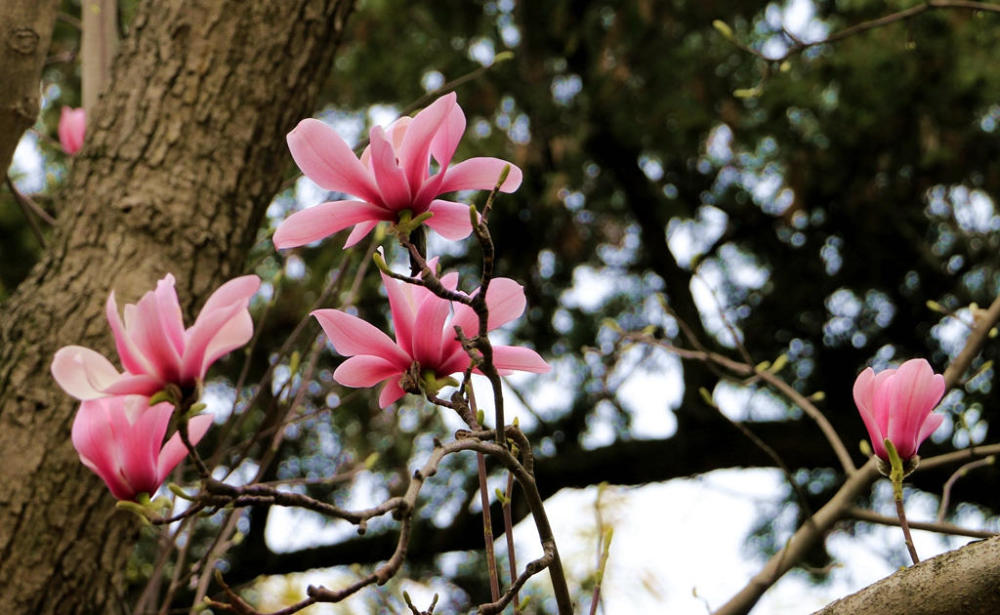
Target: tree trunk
<point x="25" y="33"/>
<point x="183" y="154"/>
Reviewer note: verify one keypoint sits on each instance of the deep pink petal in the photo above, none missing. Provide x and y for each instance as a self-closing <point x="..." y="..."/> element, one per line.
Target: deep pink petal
<point x="325" y="219"/>
<point x="172" y="320"/>
<point x="365" y="371"/>
<point x="223" y="325"/>
<point x="72" y="128"/>
<point x="174" y="450"/>
<point x="141" y="447"/>
<point x="466" y="318"/>
<point x="352" y="336"/>
<point x="95" y="444"/>
<point x="403" y="310"/>
<point x="327" y="160"/>
<point x="128" y="352"/>
<point x="152" y="340"/>
<point x="428" y="331"/>
<point x="389" y="177"/>
<point x="450" y="220"/>
<point x="518" y="358"/>
<point x="446" y="139"/>
<point x="915" y="390"/>
<point x="414" y="151"/>
<point x="480" y="174"/>
<point x="391" y="392"/>
<point x="864" y="399"/>
<point x="82" y="372"/>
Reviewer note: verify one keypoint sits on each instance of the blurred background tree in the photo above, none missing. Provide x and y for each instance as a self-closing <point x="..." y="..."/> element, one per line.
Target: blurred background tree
<point x="810" y="207"/>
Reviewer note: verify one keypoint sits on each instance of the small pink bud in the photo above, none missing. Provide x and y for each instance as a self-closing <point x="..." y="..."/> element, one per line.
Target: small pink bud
<point x="72" y="127"/>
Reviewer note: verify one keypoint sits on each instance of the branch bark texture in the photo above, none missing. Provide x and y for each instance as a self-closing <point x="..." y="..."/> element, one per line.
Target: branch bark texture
<point x="185" y="149"/>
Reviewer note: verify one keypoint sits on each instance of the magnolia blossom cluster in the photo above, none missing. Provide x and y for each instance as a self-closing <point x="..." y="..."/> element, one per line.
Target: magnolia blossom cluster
<point x="391" y="178"/>
<point x="116" y="432"/>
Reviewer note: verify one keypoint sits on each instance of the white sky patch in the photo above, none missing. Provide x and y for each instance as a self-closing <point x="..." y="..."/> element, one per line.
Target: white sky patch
<point x="28" y="165"/>
<point x="688" y="238"/>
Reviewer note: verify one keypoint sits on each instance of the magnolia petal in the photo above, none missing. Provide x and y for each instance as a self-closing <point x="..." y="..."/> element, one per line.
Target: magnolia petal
<point x="135" y="384"/>
<point x="82" y="372"/>
<point x="325" y="219"/>
<point x="446" y="139"/>
<point x="450" y="220"/>
<point x="132" y="359"/>
<point x="364" y="371"/>
<point x="389" y="177"/>
<point x="141" y="447"/>
<point x="505" y="301"/>
<point x="480" y="174"/>
<point x="174" y="450"/>
<point x="201" y="337"/>
<point x="171" y="317"/>
<point x="914" y="391"/>
<point x="352" y="336"/>
<point x="414" y="151"/>
<point x="235" y="333"/>
<point x="930" y="426"/>
<point x="96" y="445"/>
<point x="404" y="311"/>
<point x="361" y="230"/>
<point x="428" y="332"/>
<point x="391" y="392"/>
<point x="327" y="160"/>
<point x="864" y="394"/>
<point x="518" y="358"/>
<point x="152" y="340"/>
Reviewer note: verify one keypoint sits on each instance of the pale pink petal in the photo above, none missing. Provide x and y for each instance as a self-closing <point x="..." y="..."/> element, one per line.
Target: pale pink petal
<point x="235" y="291"/>
<point x="174" y="450"/>
<point x="450" y="220"/>
<point x="390" y="393"/>
<point x="389" y="177"/>
<point x="325" y="219"/>
<point x="505" y="301"/>
<point x="351" y="336"/>
<point x="397" y="130"/>
<point x="82" y="372"/>
<point x="518" y="358"/>
<point x="94" y="442"/>
<point x="135" y="384"/>
<point x="882" y="400"/>
<point x="930" y="426"/>
<point x="365" y="371"/>
<point x="414" y="151"/>
<point x="466" y="318"/>
<point x="446" y="139"/>
<point x="429" y="331"/>
<point x="480" y="174"/>
<point x="327" y="160"/>
<point x="361" y="230"/>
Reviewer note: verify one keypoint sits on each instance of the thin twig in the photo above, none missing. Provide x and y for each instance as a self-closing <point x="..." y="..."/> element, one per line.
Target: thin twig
<point x="959" y="473"/>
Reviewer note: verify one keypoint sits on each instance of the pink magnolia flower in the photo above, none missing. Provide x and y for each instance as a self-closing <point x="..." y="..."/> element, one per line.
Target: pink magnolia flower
<point x="425" y="335"/>
<point x="153" y="345"/>
<point x="121" y="439"/>
<point x="72" y="126"/>
<point x="897" y="404"/>
<point x="392" y="175"/>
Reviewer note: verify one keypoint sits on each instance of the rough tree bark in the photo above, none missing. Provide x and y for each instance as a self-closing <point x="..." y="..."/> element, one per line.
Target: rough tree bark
<point x="25" y="32"/>
<point x="962" y="581"/>
<point x="183" y="153"/>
